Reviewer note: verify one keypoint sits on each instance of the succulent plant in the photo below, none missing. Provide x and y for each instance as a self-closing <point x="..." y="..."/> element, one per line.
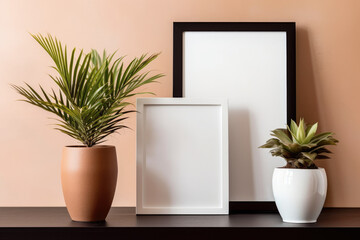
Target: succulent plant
<point x="299" y="144"/>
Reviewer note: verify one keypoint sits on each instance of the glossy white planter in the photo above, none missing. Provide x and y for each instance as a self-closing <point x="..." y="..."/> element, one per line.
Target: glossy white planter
<point x="299" y="193"/>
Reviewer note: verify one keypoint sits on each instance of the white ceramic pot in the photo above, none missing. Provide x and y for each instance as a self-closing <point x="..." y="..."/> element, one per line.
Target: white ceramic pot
<point x="299" y="193"/>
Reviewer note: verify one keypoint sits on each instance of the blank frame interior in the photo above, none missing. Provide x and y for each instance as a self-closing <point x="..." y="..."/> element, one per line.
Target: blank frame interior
<point x="182" y="157"/>
<point x="251" y="64"/>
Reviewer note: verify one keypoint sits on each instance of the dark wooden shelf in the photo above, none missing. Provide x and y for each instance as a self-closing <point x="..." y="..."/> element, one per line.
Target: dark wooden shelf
<point x="122" y="223"/>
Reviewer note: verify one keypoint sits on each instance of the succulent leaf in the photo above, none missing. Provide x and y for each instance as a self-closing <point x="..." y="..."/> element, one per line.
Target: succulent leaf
<point x="310" y="156"/>
<point x="321" y="136"/>
<point x="293" y="127"/>
<point x="320" y="149"/>
<point x="328" y="141"/>
<point x="299" y="145"/>
<point x="301" y="161"/>
<point x="273" y="142"/>
<point x="300" y="134"/>
<point x="311" y="133"/>
<point x="281" y="135"/>
<point x="293" y="135"/>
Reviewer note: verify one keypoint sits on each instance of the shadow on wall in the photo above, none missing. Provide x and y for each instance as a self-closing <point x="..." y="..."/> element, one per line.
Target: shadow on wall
<point x="308" y="102"/>
<point x="240" y="145"/>
<point x="306" y="97"/>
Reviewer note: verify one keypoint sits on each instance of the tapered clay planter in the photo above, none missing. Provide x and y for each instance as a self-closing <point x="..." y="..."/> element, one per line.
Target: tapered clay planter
<point x="88" y="177"/>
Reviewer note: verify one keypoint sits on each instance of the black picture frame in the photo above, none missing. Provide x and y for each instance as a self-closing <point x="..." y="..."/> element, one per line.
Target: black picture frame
<point x="179" y="28"/>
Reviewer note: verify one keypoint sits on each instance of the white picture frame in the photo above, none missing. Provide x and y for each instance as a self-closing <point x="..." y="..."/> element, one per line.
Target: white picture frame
<point x="182" y="156"/>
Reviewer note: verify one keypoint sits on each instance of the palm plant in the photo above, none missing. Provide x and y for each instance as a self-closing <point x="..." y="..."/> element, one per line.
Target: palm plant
<point x="299" y="145"/>
<point x="92" y="97"/>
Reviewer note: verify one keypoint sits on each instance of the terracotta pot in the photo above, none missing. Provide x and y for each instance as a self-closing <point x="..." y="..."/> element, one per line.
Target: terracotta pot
<point x="88" y="177"/>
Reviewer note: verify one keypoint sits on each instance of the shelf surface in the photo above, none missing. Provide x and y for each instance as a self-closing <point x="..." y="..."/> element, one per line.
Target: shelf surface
<point x="42" y="222"/>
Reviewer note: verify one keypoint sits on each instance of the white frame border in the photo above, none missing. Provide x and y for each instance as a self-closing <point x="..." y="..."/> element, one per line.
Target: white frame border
<point x="140" y="156"/>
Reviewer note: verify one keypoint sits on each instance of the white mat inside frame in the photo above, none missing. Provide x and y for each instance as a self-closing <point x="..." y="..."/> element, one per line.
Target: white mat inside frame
<point x="182" y="156"/>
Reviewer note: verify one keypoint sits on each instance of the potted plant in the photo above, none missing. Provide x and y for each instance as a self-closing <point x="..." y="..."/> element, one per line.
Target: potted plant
<point x="300" y="187"/>
<point x="90" y="104"/>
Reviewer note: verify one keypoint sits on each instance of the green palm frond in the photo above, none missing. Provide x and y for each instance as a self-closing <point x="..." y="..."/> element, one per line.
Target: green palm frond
<point x="93" y="90"/>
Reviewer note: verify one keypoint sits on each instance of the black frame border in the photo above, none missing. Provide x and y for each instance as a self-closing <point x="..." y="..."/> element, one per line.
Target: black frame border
<point x="289" y="27"/>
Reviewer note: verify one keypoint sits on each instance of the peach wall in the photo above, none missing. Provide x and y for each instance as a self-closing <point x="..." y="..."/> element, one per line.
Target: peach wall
<point x="328" y="73"/>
